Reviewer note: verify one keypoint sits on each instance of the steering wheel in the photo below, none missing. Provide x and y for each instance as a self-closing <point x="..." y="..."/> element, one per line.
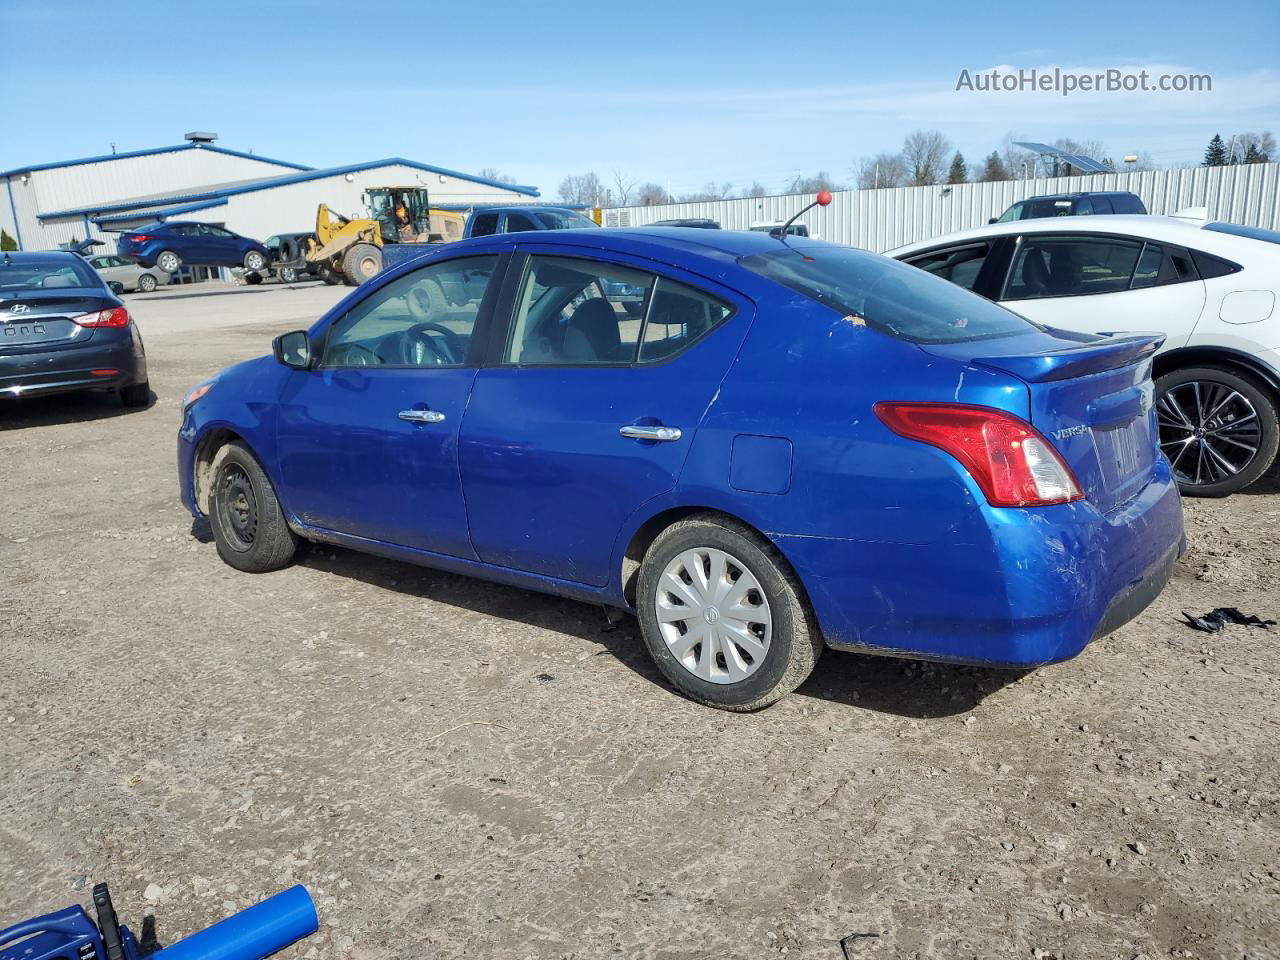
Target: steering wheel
<point x="453" y="341"/>
<point x="358" y="355"/>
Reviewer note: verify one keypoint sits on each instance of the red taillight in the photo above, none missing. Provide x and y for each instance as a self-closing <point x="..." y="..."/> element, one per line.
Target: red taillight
<point x="115" y="317"/>
<point x="138" y="238"/>
<point x="1012" y="462"/>
<point x="104" y="372"/>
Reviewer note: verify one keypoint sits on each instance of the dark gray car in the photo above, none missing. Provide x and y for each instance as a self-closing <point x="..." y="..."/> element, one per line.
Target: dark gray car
<point x="62" y="330"/>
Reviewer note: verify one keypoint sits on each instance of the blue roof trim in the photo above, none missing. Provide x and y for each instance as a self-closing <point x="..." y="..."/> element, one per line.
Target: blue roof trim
<point x="288" y="180"/>
<point x="163" y="211"/>
<point x="150" y="153"/>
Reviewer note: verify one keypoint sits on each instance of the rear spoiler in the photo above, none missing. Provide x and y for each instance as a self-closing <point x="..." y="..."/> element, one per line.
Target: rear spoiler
<point x="1118" y="350"/>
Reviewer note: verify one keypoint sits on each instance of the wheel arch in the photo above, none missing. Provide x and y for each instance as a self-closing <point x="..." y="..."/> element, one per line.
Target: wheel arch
<point x="649" y="530"/>
<point x="1238" y="360"/>
<point x="205" y="454"/>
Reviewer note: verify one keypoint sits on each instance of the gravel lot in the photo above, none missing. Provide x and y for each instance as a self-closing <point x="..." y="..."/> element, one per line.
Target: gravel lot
<point x="458" y="769"/>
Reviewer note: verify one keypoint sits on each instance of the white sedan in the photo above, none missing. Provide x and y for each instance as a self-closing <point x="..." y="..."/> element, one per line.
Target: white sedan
<point x="128" y="272"/>
<point x="1210" y="288"/>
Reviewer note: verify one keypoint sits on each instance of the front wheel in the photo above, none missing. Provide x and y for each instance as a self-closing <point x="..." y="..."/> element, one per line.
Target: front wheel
<point x="287" y="275"/>
<point x="723" y="616"/>
<point x="1219" y="429"/>
<point x="249" y="527"/>
<point x="147" y="283"/>
<point x="135" y="395"/>
<point x="254" y="260"/>
<point x="168" y="261"/>
<point x="361" y="262"/>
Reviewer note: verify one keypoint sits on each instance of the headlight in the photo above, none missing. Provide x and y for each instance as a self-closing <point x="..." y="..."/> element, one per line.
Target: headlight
<point x="195" y="393"/>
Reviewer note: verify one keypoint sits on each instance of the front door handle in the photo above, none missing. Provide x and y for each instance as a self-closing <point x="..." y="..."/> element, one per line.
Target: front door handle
<point x="637" y="432"/>
<point x="422" y="416"/>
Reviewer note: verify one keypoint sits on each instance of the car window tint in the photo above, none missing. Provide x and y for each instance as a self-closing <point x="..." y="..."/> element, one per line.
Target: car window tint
<point x="483" y="224"/>
<point x="960" y="265"/>
<point x="1102" y="204"/>
<point x="1071" y="266"/>
<point x="423" y="319"/>
<point x="1013" y="213"/>
<point x="578" y="312"/>
<point x="1211" y="267"/>
<point x="1147" y="273"/>
<point x="518" y="223"/>
<point x="678" y="316"/>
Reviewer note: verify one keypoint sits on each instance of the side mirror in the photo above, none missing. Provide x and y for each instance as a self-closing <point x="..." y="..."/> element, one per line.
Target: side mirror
<point x="293" y="349"/>
<point x="994" y="220"/>
<point x="115" y="286"/>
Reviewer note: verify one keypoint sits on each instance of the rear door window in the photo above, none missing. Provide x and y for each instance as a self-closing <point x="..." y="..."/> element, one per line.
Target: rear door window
<point x="1071" y="266"/>
<point x="960" y="265"/>
<point x="1102" y="204"/>
<point x="518" y="223"/>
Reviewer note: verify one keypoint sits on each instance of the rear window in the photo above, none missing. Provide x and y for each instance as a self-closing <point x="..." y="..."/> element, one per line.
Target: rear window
<point x="891" y="297"/>
<point x="46" y="273"/>
<point x="1253" y="233"/>
<point x="560" y="220"/>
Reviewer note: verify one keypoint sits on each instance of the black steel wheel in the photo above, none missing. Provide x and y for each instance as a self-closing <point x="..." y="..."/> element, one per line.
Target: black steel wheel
<point x="1217" y="427"/>
<point x="249" y="527"/>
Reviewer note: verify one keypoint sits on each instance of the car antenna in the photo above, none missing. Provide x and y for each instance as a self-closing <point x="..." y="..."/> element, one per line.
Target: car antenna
<point x="822" y="200"/>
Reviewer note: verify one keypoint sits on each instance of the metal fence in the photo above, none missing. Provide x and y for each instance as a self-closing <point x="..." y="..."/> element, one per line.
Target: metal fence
<point x="880" y="220"/>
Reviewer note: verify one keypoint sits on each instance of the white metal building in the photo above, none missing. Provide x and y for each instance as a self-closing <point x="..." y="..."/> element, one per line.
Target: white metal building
<point x="46" y="205"/>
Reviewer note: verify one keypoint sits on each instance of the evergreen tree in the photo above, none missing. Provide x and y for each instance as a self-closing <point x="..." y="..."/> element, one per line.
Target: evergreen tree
<point x="7" y="242"/>
<point x="1252" y="155"/>
<point x="1216" y="154"/>
<point x="994" y="169"/>
<point x="959" y="172"/>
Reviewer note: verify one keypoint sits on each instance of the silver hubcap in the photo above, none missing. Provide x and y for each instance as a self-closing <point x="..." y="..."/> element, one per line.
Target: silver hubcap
<point x="713" y="615"/>
<point x="1208" y="431"/>
<point x="169" y="263"/>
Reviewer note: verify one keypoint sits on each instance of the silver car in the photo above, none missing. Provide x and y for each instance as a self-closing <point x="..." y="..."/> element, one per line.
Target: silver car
<point x="127" y="272"/>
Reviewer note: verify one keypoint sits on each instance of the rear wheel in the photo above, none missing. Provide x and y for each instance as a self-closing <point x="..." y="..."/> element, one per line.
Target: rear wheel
<point x="147" y="283"/>
<point x="253" y="279"/>
<point x="330" y="276"/>
<point x="168" y="261"/>
<point x="249" y="527"/>
<point x="287" y="275"/>
<point x="135" y="395"/>
<point x="1218" y="427"/>
<point x="361" y="262"/>
<point x="254" y="260"/>
<point x="723" y="616"/>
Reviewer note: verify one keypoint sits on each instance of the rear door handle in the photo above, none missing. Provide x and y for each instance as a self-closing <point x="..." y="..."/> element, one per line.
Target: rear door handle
<point x="637" y="432"/>
<point x="422" y="416"/>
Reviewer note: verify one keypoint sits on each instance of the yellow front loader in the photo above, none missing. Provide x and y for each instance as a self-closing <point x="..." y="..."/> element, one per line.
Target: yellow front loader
<point x="352" y="250"/>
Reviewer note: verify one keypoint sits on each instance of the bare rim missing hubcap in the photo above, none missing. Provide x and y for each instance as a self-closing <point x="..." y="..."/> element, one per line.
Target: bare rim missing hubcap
<point x="713" y="615"/>
<point x="1209" y="431"/>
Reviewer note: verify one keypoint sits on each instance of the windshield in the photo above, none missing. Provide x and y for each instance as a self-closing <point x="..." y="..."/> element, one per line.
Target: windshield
<point x="1253" y="233"/>
<point x="892" y="297"/>
<point x="563" y="220"/>
<point x="46" y="273"/>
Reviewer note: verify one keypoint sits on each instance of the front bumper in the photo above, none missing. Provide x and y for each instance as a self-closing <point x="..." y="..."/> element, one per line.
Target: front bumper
<point x="1037" y="588"/>
<point x="71" y="370"/>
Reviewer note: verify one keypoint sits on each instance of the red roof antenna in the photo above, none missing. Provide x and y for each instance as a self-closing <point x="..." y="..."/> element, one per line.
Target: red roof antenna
<point x="822" y="200"/>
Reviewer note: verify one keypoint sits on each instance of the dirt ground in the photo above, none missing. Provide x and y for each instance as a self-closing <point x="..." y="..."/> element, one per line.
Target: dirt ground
<point x="456" y="769"/>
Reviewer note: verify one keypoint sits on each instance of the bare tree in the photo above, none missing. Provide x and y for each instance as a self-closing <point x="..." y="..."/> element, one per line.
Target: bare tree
<point x="757" y="189"/>
<point x="711" y="191"/>
<point x="924" y="153"/>
<point x="819" y="181"/>
<point x="882" y="170"/>
<point x="493" y="173"/>
<point x="1093" y="149"/>
<point x="651" y="194"/>
<point x="624" y="187"/>
<point x="1018" y="163"/>
<point x="583" y="190"/>
<point x="1252" y="148"/>
<point x="1144" y="162"/>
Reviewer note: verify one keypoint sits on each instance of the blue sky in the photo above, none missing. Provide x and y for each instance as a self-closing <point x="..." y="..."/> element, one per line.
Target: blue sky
<point x="680" y="93"/>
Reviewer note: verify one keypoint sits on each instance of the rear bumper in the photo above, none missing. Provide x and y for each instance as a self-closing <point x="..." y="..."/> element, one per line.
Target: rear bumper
<point x="1035" y="589"/>
<point x="68" y="371"/>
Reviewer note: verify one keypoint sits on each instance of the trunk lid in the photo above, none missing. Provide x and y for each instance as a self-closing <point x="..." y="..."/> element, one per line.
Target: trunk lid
<point x="36" y="321"/>
<point x="1092" y="398"/>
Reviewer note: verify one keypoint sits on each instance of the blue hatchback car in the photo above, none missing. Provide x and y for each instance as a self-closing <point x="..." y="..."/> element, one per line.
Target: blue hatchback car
<point x="791" y="444"/>
<point x="170" y="245"/>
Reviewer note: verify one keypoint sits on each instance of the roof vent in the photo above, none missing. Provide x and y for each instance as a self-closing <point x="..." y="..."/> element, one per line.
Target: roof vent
<point x="197" y="136"/>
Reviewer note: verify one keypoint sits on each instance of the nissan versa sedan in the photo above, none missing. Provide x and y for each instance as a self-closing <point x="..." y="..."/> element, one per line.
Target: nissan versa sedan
<point x="62" y="331"/>
<point x="792" y="445"/>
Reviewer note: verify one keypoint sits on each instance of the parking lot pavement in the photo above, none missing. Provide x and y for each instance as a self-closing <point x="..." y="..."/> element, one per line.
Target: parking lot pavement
<point x="459" y="769"/>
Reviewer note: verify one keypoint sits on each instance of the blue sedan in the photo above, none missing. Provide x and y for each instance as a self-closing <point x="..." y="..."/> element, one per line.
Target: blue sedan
<point x="790" y="445"/>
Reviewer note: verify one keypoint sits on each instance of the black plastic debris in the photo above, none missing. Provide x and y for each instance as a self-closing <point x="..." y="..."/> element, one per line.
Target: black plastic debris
<point x="1216" y="619"/>
<point x="847" y="942"/>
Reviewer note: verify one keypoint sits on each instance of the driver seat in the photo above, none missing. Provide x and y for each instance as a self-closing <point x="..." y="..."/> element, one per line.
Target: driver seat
<point x="592" y="335"/>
